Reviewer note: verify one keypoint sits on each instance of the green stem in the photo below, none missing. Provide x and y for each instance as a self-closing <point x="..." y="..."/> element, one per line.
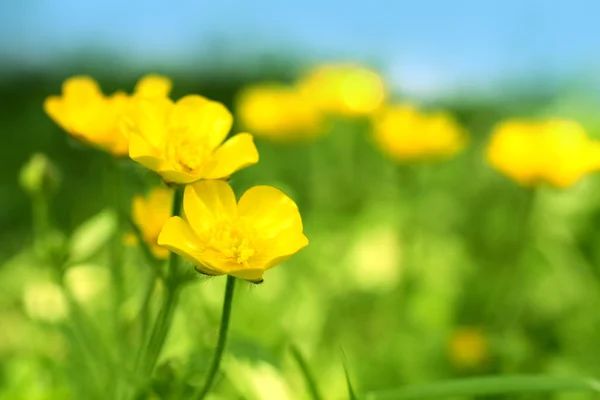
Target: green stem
<point x="506" y="304"/>
<point x="161" y="328"/>
<point x="114" y="181"/>
<point x="216" y="361"/>
<point x="173" y="284"/>
<point x="41" y="218"/>
<point x="310" y="380"/>
<point x="145" y="307"/>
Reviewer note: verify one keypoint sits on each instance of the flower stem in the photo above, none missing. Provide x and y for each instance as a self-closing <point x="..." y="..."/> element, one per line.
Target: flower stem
<point x="173" y="284"/>
<point x="216" y="361"/>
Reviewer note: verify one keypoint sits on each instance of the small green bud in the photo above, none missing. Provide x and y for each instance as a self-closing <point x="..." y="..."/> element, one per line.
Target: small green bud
<point x="39" y="175"/>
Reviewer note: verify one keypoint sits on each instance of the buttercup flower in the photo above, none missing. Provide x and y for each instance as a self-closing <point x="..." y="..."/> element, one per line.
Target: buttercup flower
<point x="344" y="89"/>
<point x="243" y="240"/>
<point x="182" y="141"/>
<point x="90" y="116"/>
<point x="468" y="348"/>
<point x="278" y="112"/>
<point x="556" y="152"/>
<point x="149" y="214"/>
<point x="407" y="134"/>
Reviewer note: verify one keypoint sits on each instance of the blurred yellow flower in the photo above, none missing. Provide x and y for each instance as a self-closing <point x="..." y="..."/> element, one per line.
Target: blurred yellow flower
<point x="90" y="116"/>
<point x="181" y="141"/>
<point x="278" y="112"/>
<point x="556" y="152"/>
<point x="468" y="348"/>
<point x="149" y="214"/>
<point x="243" y="240"/>
<point x="407" y="134"/>
<point x="344" y="89"/>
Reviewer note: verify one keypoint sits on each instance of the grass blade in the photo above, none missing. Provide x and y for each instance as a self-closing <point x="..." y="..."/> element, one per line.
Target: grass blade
<point x="351" y="392"/>
<point x="488" y="385"/>
<point x="308" y="376"/>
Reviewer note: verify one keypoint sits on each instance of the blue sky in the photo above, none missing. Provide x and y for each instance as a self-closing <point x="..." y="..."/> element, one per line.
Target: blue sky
<point x="427" y="43"/>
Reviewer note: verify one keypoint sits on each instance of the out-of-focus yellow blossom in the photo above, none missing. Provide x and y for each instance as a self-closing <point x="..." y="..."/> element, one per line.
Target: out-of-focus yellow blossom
<point x="92" y="117"/>
<point x="181" y="141"/>
<point x="243" y="240"/>
<point x="278" y="112"/>
<point x="468" y="348"/>
<point x="343" y="89"/>
<point x="557" y="152"/>
<point x="149" y="214"/>
<point x="407" y="134"/>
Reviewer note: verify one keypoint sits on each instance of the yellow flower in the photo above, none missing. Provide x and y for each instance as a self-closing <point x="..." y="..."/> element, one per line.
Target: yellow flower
<point x="555" y="152"/>
<point x="468" y="348"/>
<point x="344" y="89"/>
<point x="149" y="214"/>
<point x="243" y="240"/>
<point x="278" y="112"/>
<point x="407" y="134"/>
<point x="182" y="141"/>
<point x="90" y="116"/>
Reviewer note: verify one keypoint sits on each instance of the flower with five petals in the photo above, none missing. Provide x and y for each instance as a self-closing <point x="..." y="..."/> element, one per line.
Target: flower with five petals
<point x="242" y="239"/>
<point x="183" y="141"/>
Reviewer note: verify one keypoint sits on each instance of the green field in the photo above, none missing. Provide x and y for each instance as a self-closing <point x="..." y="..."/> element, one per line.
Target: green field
<point x="415" y="273"/>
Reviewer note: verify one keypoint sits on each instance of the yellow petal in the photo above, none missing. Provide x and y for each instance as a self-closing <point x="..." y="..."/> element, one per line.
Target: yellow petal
<point x="144" y="153"/>
<point x="153" y="86"/>
<point x="206" y="202"/>
<point x="178" y="237"/>
<point x="203" y="120"/>
<point x="54" y="107"/>
<point x="252" y="275"/>
<point x="286" y="245"/>
<point x="235" y="154"/>
<point x="81" y="89"/>
<point x="149" y="119"/>
<point x="159" y="252"/>
<point x="172" y="175"/>
<point x="270" y="211"/>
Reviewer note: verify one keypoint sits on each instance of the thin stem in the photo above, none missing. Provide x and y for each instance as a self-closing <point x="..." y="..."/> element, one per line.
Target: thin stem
<point x="311" y="384"/>
<point x="41" y="218"/>
<point x="173" y="284"/>
<point x="161" y="328"/>
<point x="216" y="361"/>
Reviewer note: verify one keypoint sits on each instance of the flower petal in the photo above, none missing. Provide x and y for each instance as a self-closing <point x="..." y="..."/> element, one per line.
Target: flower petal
<point x="202" y="119"/>
<point x="148" y="118"/>
<point x="270" y="211"/>
<point x="54" y="107"/>
<point x="153" y="86"/>
<point x="144" y="153"/>
<point x="207" y="202"/>
<point x="236" y="153"/>
<point x="171" y="175"/>
<point x="177" y="236"/>
<point x="81" y="89"/>
<point x="252" y="275"/>
<point x="286" y="245"/>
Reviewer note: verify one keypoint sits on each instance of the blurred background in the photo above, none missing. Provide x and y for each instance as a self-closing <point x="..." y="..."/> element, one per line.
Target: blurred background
<point x="417" y="271"/>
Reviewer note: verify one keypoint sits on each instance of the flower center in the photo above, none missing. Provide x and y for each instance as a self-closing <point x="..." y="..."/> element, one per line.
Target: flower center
<point x="186" y="155"/>
<point x="234" y="242"/>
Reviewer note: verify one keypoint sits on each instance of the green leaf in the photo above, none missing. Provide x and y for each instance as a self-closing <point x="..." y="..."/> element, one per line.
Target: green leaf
<point x="91" y="236"/>
<point x="488" y="385"/>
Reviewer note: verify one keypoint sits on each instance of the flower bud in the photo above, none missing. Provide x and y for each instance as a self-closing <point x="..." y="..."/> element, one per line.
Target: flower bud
<point x="39" y="176"/>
